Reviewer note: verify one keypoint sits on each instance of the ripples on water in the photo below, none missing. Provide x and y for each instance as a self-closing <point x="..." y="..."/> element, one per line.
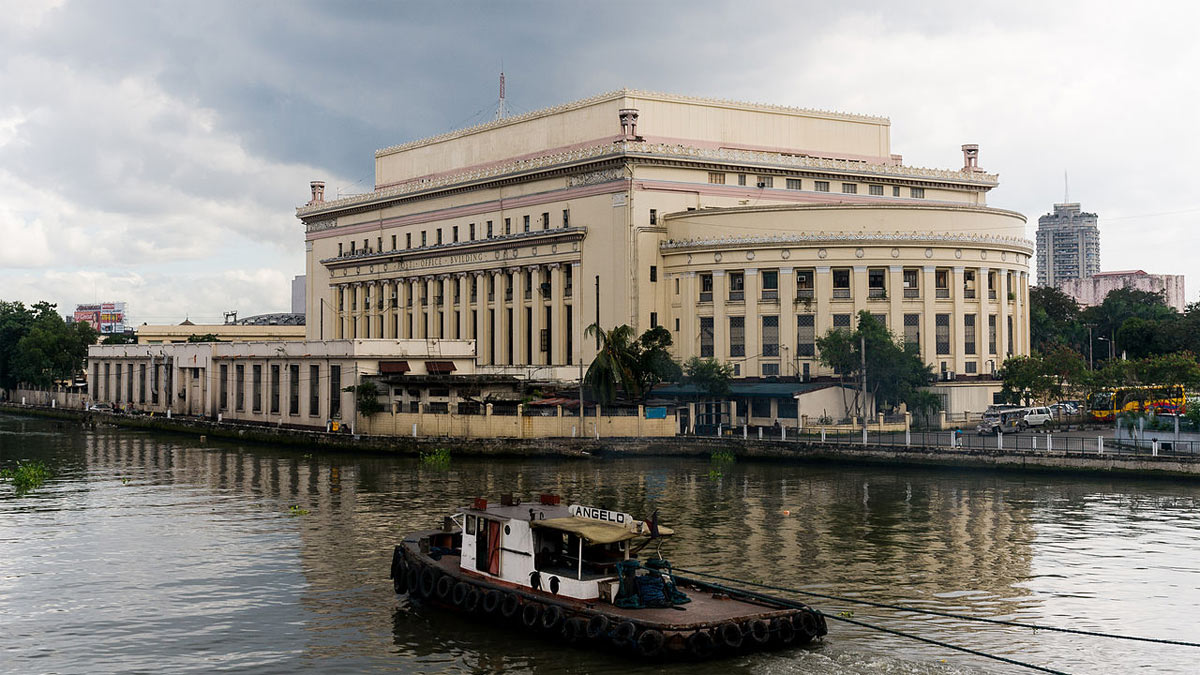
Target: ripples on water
<point x="159" y="554"/>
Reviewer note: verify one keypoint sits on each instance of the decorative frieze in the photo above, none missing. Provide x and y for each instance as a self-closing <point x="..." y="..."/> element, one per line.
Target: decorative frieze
<point x="852" y="237"/>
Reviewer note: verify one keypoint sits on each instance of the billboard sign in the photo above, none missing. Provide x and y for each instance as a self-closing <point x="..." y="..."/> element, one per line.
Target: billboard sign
<point x="106" y="317"/>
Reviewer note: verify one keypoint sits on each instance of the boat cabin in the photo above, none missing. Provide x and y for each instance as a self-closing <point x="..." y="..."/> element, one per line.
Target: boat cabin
<point x="565" y="550"/>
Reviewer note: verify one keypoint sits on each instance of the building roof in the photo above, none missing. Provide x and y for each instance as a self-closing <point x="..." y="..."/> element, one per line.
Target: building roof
<point x="275" y="319"/>
<point x="1121" y="273"/>
<point x="747" y="389"/>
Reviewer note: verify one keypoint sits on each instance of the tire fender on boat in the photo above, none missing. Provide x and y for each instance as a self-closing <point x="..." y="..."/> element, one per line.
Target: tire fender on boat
<point x="700" y="644"/>
<point x="530" y="614"/>
<point x="472" y="601"/>
<point x="759" y="631"/>
<point x="784" y="630"/>
<point x="399" y="574"/>
<point x="806" y="624"/>
<point x="412" y="577"/>
<point x="397" y="563"/>
<point x="597" y="627"/>
<point x="552" y="617"/>
<point x="624" y="634"/>
<point x="650" y="643"/>
<point x="429" y="579"/>
<point x="492" y="601"/>
<point x="445" y="586"/>
<point x="510" y="606"/>
<point x="730" y="635"/>
<point x="460" y="593"/>
<point x="574" y="630"/>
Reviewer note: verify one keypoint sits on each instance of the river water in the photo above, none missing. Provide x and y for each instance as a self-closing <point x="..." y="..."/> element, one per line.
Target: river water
<point x="159" y="553"/>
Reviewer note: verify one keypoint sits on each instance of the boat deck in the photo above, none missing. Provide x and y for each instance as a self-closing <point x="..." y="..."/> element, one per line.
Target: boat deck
<point x="705" y="609"/>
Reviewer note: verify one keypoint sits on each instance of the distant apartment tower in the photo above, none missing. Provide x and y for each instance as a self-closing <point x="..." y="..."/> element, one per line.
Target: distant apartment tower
<point x="1068" y="245"/>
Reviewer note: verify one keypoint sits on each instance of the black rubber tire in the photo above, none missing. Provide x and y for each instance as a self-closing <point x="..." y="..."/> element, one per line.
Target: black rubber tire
<point x="445" y="586"/>
<point x="511" y="605"/>
<point x="397" y="563"/>
<point x="806" y="624"/>
<point x="597" y="627"/>
<point x="459" y="594"/>
<point x="822" y="627"/>
<point x="759" y="631"/>
<point x="574" y="630"/>
<point x="624" y="634"/>
<point x="530" y="614"/>
<point x="552" y="618"/>
<point x="399" y="574"/>
<point x="471" y="603"/>
<point x="730" y="635"/>
<point x="429" y="579"/>
<point x="785" y="632"/>
<point x="700" y="645"/>
<point x="492" y="601"/>
<point x="413" y="578"/>
<point x="650" y="643"/>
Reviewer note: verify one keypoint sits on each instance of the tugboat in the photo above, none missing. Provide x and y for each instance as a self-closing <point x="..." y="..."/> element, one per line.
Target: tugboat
<point x="571" y="573"/>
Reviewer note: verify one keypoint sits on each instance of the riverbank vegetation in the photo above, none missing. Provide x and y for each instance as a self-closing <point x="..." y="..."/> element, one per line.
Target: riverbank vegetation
<point x="38" y="347"/>
<point x="26" y="476"/>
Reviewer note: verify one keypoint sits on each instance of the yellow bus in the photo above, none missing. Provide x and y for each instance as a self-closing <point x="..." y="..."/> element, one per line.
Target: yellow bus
<point x="1105" y="404"/>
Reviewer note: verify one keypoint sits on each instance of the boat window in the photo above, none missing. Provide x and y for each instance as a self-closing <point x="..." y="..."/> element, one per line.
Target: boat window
<point x="470" y="527"/>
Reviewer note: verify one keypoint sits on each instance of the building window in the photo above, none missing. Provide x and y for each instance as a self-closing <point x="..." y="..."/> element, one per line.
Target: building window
<point x="654" y="273"/>
<point x="716" y="178"/>
<point x="877" y="283"/>
<point x="224" y="370"/>
<point x="706" y="337"/>
<point x="545" y="221"/>
<point x="806" y="335"/>
<point x="408" y="240"/>
<point x="770" y="284"/>
<point x="1010" y="335"/>
<point x="653" y="216"/>
<point x="969" y="333"/>
<point x="880" y="319"/>
<point x="335" y="391"/>
<point x="676" y="285"/>
<point x="256" y="388"/>
<point x="912" y="330"/>
<point x="770" y="370"/>
<point x="454" y="234"/>
<point x="314" y="390"/>
<point x="741" y="179"/>
<point x="378" y="244"/>
<point x="239" y="385"/>
<point x="275" y="389"/>
<point x="991" y="333"/>
<point x="941" y="283"/>
<point x="737" y="286"/>
<point x="912" y="284"/>
<point x="654" y="319"/>
<point x="841" y="283"/>
<point x="424" y="238"/>
<point x="849" y="188"/>
<point x="841" y="322"/>
<point x="875" y="190"/>
<point x="142" y="383"/>
<point x="770" y="336"/>
<point x="737" y="336"/>
<point x="821" y="185"/>
<point x="969" y="284"/>
<point x="895" y="190"/>
<point x="340" y="249"/>
<point x="941" y="336"/>
<point x="766" y="181"/>
<point x="439" y="236"/>
<point x="566" y="218"/>
<point x="294" y="390"/>
<point x="804" y="284"/>
<point x="508" y="226"/>
<point x="676" y="324"/>
<point x="489" y="229"/>
<point x="706" y="288"/>
<point x="525" y="224"/>
<point x="917" y="193"/>
<point x="794" y="184"/>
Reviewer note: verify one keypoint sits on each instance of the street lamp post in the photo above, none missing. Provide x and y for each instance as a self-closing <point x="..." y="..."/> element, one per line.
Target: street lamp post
<point x="1091" y="361"/>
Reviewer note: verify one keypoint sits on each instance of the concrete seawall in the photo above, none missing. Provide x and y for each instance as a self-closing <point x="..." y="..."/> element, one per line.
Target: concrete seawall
<point x="766" y="450"/>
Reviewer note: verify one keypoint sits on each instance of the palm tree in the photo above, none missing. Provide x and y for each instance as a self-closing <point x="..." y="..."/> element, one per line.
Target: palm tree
<point x="615" y="363"/>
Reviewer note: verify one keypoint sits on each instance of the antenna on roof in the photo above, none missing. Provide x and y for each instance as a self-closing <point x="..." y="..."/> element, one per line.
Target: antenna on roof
<point x="501" y="110"/>
<point x="1066" y="189"/>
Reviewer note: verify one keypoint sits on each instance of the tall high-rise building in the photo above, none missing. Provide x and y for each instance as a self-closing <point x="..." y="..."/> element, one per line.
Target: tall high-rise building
<point x="1068" y="245"/>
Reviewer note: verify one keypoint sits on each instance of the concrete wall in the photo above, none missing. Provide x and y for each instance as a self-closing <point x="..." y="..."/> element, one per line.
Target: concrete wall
<point x="562" y="425"/>
<point x="1091" y="292"/>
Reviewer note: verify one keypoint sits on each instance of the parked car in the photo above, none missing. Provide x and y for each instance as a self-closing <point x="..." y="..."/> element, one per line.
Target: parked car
<point x="1002" y="422"/>
<point x="1064" y="409"/>
<point x="100" y="407"/>
<point x="1037" y="416"/>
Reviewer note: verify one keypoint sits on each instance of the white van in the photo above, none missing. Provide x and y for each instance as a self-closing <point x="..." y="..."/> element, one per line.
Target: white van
<point x="1036" y="417"/>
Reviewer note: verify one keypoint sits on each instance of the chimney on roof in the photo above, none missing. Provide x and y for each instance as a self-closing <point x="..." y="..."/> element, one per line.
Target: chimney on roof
<point x="971" y="158"/>
<point x="318" y="192"/>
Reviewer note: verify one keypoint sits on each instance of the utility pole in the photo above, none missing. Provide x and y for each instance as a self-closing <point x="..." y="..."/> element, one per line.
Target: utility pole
<point x="863" y="390"/>
<point x="597" y="312"/>
<point x="1091" y="361"/>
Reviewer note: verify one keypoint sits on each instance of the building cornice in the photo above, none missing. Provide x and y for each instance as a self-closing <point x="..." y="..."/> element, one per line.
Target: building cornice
<point x="925" y="238"/>
<point x="908" y="205"/>
<point x="562" y="234"/>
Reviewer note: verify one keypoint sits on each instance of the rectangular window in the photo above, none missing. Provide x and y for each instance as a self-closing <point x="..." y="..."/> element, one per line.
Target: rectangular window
<point x="525" y="224"/>
<point x="912" y="284"/>
<point x="841" y="322"/>
<point x="108" y="375"/>
<point x="424" y="238"/>
<point x="545" y="221"/>
<point x="706" y="288"/>
<point x="741" y="179"/>
<point x="676" y="324"/>
<point x="142" y="383"/>
<point x="454" y="234"/>
<point x="653" y="216"/>
<point x="439" y="236"/>
<point x="566" y="218"/>
<point x="240" y="386"/>
<point x="737" y="286"/>
<point x="340" y="249"/>
<point x="794" y="184"/>
<point x="393" y="242"/>
<point x="716" y="178"/>
<point x="991" y="285"/>
<point x="224" y="374"/>
<point x="706" y="337"/>
<point x="335" y="391"/>
<point x="275" y="389"/>
<point x="378" y="244"/>
<point x="941" y="337"/>
<point x="895" y="190"/>
<point x="153" y="383"/>
<point x="806" y="335"/>
<point x="912" y="330"/>
<point x="917" y="193"/>
<point x="489" y="229"/>
<point x="841" y="283"/>
<point x="654" y="319"/>
<point x="256" y="388"/>
<point x="676" y="285"/>
<point x="408" y="240"/>
<point x="654" y="273"/>
<point x="770" y="336"/>
<point x="804" y="285"/>
<point x="1010" y="335"/>
<point x="877" y="283"/>
<point x="849" y="188"/>
<point x="766" y="181"/>
<point x="880" y="319"/>
<point x="508" y="226"/>
<point x="941" y="283"/>
<point x="314" y="390"/>
<point x="770" y="284"/>
<point x="821" y="185"/>
<point x="737" y="336"/>
<point x="294" y="390"/>
<point x="969" y="333"/>
<point x="471" y="231"/>
<point x="875" y="190"/>
<point x="969" y="283"/>
<point x="770" y="370"/>
<point x="787" y="407"/>
<point x="991" y="333"/>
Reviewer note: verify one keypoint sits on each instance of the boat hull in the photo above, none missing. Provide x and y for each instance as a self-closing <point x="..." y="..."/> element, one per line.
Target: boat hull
<point x="718" y="622"/>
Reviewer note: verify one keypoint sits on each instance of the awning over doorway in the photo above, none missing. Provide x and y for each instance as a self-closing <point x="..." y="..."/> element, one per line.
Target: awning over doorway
<point x="393" y="367"/>
<point x="439" y="367"/>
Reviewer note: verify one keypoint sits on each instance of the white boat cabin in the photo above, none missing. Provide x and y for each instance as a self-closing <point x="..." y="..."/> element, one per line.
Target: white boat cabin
<point x="565" y="550"/>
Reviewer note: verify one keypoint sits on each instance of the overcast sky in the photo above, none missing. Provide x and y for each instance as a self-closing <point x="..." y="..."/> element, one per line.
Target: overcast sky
<point x="155" y="152"/>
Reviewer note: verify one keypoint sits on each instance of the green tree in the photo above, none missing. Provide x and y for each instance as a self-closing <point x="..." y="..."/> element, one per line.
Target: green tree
<point x="119" y="339"/>
<point x="653" y="362"/>
<point x="1054" y="318"/>
<point x="15" y="321"/>
<point x="709" y="375"/>
<point x="1025" y="379"/>
<point x="894" y="373"/>
<point x="615" y="364"/>
<point x="366" y="398"/>
<point x="923" y="404"/>
<point x="207" y="337"/>
<point x="1121" y="305"/>
<point x="50" y="350"/>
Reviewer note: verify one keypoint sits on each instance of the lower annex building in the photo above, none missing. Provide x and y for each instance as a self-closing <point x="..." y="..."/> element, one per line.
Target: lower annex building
<point x="746" y="230"/>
